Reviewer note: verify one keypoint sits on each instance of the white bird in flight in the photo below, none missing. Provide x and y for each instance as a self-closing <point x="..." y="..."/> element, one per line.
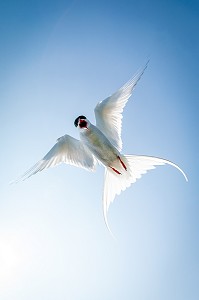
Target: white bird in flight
<point x="102" y="144"/>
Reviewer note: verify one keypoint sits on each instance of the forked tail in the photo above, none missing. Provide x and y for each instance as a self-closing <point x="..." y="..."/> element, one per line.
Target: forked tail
<point x="136" y="166"/>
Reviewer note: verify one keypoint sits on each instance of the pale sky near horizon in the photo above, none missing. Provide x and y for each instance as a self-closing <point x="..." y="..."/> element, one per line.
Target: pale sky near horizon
<point x="58" y="59"/>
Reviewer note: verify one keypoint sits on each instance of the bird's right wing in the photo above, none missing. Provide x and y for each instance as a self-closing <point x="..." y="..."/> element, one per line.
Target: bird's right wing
<point x="67" y="150"/>
<point x="108" y="113"/>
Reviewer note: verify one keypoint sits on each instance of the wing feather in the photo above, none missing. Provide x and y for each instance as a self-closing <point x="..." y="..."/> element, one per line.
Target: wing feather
<point x="108" y="113"/>
<point x="67" y="150"/>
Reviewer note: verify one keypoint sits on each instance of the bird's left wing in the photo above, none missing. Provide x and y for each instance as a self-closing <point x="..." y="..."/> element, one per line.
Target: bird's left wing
<point x="108" y="113"/>
<point x="67" y="150"/>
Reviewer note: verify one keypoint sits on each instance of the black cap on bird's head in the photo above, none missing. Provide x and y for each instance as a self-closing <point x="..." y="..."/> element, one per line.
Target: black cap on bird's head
<point x="77" y="120"/>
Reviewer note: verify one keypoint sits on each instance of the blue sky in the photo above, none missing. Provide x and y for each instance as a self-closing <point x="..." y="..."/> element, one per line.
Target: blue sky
<point x="58" y="59"/>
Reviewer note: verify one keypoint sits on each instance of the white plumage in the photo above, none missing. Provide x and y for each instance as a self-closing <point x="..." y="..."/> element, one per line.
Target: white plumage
<point x="102" y="144"/>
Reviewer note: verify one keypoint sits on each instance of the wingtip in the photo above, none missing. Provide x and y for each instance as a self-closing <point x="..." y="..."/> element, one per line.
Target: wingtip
<point x="12" y="182"/>
<point x="17" y="180"/>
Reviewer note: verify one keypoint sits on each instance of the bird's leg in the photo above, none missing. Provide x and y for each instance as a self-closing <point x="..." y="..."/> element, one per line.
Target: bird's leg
<point x="123" y="165"/>
<point x="116" y="171"/>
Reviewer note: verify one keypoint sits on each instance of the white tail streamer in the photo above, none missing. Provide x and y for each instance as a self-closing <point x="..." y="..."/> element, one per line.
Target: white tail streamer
<point x="136" y="166"/>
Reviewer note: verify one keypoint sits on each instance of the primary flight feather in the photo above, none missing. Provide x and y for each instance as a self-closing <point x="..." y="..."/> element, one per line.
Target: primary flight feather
<point x="102" y="143"/>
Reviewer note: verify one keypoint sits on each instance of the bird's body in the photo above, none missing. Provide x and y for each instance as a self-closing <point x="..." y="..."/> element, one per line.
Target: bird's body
<point x="102" y="143"/>
<point x="99" y="145"/>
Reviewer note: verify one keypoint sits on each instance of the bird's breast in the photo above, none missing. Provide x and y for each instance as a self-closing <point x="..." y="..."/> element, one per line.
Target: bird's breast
<point x="99" y="145"/>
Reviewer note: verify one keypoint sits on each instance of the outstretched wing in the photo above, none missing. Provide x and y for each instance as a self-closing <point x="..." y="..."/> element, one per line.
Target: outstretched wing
<point x="67" y="150"/>
<point x="108" y="113"/>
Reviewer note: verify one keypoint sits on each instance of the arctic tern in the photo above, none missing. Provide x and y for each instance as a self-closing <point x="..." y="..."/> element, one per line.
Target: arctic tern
<point x="102" y="143"/>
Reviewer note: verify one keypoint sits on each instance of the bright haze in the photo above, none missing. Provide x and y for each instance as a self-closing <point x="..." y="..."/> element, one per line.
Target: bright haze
<point x="58" y="59"/>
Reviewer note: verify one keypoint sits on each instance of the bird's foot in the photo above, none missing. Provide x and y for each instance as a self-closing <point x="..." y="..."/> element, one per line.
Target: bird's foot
<point x="116" y="171"/>
<point x="123" y="165"/>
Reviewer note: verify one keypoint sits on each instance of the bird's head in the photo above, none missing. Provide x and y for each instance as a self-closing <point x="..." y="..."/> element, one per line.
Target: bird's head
<point x="81" y="122"/>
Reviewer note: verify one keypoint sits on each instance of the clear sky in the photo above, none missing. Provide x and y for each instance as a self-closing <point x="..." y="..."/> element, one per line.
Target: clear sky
<point x="58" y="59"/>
